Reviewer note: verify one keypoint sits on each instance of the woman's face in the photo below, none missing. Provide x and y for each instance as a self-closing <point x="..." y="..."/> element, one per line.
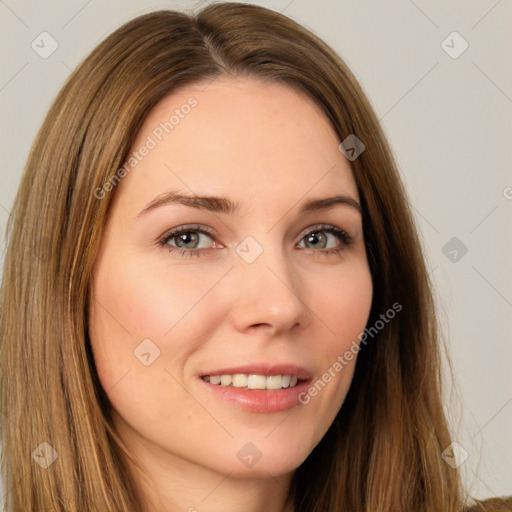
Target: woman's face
<point x="267" y="289"/>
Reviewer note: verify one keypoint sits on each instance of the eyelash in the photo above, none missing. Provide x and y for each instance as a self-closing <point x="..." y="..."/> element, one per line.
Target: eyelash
<point x="326" y="228"/>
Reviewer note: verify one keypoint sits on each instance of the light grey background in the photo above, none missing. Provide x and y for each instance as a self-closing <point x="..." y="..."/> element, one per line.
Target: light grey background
<point x="449" y="121"/>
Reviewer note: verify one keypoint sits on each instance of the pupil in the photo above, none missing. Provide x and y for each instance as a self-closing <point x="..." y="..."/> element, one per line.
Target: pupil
<point x="313" y="237"/>
<point x="182" y="239"/>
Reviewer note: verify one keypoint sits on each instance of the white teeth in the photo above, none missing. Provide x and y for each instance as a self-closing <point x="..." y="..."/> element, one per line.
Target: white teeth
<point x="239" y="380"/>
<point x="225" y="380"/>
<point x="274" y="382"/>
<point x="256" y="382"/>
<point x="252" y="381"/>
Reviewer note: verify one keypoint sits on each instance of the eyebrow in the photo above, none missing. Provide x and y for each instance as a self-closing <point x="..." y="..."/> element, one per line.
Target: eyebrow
<point x="225" y="205"/>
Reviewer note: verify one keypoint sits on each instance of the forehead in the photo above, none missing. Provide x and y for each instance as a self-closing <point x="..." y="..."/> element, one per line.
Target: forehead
<point x="243" y="138"/>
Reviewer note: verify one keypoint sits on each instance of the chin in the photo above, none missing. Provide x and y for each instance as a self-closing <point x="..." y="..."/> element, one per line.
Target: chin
<point x="264" y="458"/>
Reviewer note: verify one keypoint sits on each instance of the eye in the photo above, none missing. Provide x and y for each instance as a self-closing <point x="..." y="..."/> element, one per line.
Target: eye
<point x="321" y="235"/>
<point x="187" y="240"/>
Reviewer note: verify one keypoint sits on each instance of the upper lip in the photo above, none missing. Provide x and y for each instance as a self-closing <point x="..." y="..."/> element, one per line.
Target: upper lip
<point x="267" y="369"/>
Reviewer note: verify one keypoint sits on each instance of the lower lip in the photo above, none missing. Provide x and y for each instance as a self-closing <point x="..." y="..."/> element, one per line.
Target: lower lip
<point x="259" y="400"/>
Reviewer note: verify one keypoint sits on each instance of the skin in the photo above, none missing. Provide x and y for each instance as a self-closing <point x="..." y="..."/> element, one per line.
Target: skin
<point x="269" y="148"/>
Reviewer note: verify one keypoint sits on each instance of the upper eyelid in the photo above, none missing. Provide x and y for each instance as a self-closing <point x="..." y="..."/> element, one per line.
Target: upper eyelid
<point x="168" y="235"/>
<point x="185" y="229"/>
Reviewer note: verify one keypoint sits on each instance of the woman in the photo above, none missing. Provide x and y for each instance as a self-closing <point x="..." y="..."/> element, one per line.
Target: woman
<point x="170" y="340"/>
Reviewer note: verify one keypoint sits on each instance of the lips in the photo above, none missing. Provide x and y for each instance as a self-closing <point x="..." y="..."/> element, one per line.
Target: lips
<point x="263" y="401"/>
<point x="266" y="369"/>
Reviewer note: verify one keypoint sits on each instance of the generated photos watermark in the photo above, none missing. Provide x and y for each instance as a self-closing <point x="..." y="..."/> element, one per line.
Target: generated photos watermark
<point x="345" y="358"/>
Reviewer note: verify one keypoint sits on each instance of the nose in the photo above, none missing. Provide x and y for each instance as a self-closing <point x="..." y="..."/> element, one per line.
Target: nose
<point x="266" y="294"/>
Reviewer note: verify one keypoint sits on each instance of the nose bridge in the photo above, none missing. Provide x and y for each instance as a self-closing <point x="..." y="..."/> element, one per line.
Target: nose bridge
<point x="268" y="285"/>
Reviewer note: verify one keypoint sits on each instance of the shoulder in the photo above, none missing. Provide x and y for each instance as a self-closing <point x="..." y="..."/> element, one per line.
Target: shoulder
<point x="503" y="504"/>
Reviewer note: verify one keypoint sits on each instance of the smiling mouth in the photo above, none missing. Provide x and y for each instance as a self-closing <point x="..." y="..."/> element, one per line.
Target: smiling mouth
<point x="254" y="381"/>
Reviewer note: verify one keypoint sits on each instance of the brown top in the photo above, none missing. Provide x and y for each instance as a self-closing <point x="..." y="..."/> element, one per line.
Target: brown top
<point x="503" y="504"/>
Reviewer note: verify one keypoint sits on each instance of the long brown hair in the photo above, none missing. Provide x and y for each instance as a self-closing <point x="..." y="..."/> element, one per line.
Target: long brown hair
<point x="382" y="452"/>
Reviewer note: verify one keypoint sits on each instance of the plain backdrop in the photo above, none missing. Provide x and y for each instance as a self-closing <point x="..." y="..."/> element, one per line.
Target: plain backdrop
<point x="445" y="102"/>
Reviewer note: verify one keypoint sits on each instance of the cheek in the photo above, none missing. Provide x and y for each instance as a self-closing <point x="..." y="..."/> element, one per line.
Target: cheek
<point x="343" y="304"/>
<point x="131" y="305"/>
<point x="136" y="312"/>
<point x="145" y="300"/>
